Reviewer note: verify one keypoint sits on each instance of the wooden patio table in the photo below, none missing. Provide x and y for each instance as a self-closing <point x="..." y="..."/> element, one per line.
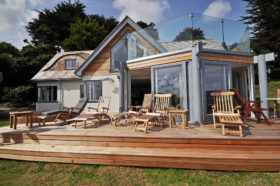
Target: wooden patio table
<point x="26" y="114"/>
<point x="276" y="107"/>
<point x="182" y="113"/>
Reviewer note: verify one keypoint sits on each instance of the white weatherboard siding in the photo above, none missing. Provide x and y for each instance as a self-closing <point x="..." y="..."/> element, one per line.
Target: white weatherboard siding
<point x="110" y="87"/>
<point x="68" y="95"/>
<point x="47" y="106"/>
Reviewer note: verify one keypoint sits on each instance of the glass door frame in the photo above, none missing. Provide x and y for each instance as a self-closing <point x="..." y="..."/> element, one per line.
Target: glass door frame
<point x="184" y="66"/>
<point x="228" y="73"/>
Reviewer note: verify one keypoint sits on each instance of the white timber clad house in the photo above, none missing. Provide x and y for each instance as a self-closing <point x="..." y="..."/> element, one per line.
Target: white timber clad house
<point x="129" y="63"/>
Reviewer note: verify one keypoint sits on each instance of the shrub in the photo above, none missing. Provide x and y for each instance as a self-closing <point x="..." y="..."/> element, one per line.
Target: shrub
<point x="17" y="96"/>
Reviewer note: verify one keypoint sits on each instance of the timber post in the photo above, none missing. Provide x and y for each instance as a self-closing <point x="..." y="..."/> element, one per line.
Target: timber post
<point x="121" y="89"/>
<point x="195" y="101"/>
<point x="263" y="82"/>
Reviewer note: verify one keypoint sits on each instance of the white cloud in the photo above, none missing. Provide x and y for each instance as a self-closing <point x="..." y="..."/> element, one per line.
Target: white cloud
<point x="14" y="15"/>
<point x="218" y="8"/>
<point x="145" y="10"/>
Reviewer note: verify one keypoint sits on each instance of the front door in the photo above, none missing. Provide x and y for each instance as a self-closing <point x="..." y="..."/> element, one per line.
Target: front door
<point x="215" y="78"/>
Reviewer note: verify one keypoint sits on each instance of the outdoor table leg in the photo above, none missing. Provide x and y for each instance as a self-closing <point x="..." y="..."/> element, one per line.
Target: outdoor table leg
<point x="31" y="120"/>
<point x="170" y="120"/>
<point x="11" y="121"/>
<point x="187" y="117"/>
<point x="183" y="120"/>
<point x="15" y="122"/>
<point x="26" y="120"/>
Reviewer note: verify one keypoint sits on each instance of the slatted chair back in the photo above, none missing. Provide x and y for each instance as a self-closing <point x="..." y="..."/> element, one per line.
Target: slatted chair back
<point x="147" y="102"/>
<point x="223" y="102"/>
<point x="103" y="102"/>
<point x="239" y="99"/>
<point x="278" y="95"/>
<point x="162" y="102"/>
<point x="80" y="105"/>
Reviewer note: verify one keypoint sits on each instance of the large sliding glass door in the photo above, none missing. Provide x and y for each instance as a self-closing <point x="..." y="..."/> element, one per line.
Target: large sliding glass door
<point x="171" y="79"/>
<point x="215" y="78"/>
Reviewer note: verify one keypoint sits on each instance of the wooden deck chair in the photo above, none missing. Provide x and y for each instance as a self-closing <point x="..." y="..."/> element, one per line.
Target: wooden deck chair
<point x="223" y="105"/>
<point x="99" y="112"/>
<point x="67" y="112"/>
<point x="134" y="111"/>
<point x="103" y="105"/>
<point x="225" y="113"/>
<point x="276" y="106"/>
<point x="146" y="104"/>
<point x="250" y="106"/>
<point x="159" y="114"/>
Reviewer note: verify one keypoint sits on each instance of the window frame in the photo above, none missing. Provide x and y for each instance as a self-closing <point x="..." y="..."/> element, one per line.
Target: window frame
<point x="89" y="90"/>
<point x="53" y="94"/>
<point x="72" y="66"/>
<point x="82" y="91"/>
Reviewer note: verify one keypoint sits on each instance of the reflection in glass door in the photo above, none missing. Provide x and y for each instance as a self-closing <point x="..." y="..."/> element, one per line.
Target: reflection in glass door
<point x="214" y="79"/>
<point x="171" y="79"/>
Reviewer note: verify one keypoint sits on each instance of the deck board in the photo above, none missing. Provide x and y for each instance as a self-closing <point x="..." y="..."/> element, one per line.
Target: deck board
<point x="197" y="147"/>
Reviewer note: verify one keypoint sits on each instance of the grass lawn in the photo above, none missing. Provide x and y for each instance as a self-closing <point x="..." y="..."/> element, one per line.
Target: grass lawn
<point x="4" y="120"/>
<point x="272" y="91"/>
<point x="33" y="173"/>
<point x="36" y="173"/>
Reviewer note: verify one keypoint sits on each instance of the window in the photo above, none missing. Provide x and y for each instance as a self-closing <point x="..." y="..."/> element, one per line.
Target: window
<point x="70" y="64"/>
<point x="119" y="53"/>
<point x="93" y="90"/>
<point x="128" y="47"/>
<point x="169" y="80"/>
<point x="82" y="91"/>
<point x="47" y="94"/>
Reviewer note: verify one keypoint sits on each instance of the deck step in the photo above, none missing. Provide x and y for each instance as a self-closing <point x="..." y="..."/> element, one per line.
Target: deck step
<point x="198" y="158"/>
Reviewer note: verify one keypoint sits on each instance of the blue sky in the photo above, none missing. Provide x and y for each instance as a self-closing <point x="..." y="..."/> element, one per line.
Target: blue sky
<point x="14" y="14"/>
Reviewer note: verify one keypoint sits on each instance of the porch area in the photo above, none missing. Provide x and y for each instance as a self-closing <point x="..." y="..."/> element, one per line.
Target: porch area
<point x="196" y="147"/>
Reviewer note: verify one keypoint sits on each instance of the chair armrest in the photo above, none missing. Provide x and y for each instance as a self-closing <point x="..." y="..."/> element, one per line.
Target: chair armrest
<point x="68" y="109"/>
<point x="148" y="108"/>
<point x="89" y="108"/>
<point x="75" y="108"/>
<point x="237" y="107"/>
<point x="132" y="107"/>
<point x="253" y="101"/>
<point x="105" y="108"/>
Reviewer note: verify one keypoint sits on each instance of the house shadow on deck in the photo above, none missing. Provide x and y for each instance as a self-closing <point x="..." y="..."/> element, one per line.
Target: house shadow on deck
<point x="26" y="133"/>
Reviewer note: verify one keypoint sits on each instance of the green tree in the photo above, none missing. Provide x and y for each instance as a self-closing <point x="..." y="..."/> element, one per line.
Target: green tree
<point x="224" y="45"/>
<point x="190" y="34"/>
<point x="51" y="26"/>
<point x="108" y="23"/>
<point x="8" y="55"/>
<point x="84" y="35"/>
<point x="264" y="19"/>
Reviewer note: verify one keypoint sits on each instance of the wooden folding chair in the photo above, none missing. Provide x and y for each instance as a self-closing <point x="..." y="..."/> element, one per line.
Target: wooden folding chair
<point x="134" y="111"/>
<point x="159" y="114"/>
<point x="99" y="112"/>
<point x="250" y="106"/>
<point x="225" y="113"/>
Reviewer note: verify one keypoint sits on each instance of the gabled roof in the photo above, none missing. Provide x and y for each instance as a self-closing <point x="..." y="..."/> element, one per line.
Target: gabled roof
<point x="46" y="74"/>
<point x="111" y="36"/>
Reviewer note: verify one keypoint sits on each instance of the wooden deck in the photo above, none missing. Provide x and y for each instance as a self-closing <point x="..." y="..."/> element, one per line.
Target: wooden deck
<point x="198" y="147"/>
